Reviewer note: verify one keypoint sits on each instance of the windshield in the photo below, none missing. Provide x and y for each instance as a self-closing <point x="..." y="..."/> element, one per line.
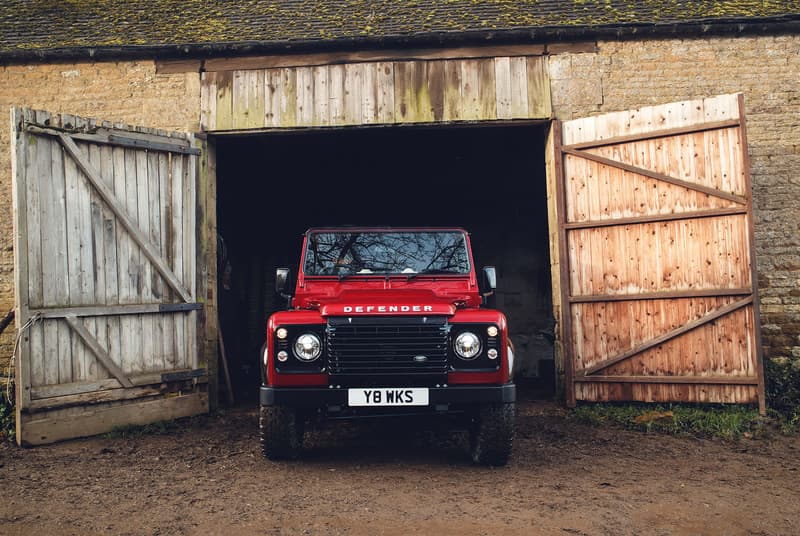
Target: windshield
<point x="390" y="252"/>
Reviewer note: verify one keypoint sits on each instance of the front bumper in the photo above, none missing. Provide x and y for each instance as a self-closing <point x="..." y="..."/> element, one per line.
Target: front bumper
<point x="315" y="397"/>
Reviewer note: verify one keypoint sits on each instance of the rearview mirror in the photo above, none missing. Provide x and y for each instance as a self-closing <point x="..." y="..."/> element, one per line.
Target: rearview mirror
<point x="282" y="281"/>
<point x="489" y="281"/>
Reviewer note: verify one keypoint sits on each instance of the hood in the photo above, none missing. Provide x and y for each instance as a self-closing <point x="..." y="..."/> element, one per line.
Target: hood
<point x="394" y="302"/>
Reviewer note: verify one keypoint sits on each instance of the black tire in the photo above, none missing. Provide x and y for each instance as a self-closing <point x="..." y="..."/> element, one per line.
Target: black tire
<point x="492" y="434"/>
<point x="281" y="432"/>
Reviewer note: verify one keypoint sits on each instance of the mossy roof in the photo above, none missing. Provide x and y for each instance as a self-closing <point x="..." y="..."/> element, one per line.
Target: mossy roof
<point x="44" y="27"/>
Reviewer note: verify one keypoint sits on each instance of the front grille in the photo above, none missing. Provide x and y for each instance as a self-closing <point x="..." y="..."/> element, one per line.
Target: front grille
<point x="385" y="346"/>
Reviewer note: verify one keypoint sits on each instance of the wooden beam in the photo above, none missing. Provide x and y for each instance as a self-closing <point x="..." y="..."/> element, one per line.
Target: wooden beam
<point x="751" y="238"/>
<point x="336" y="58"/>
<point x="702" y="380"/>
<point x="722" y="311"/>
<point x="93" y="397"/>
<point x="655" y="134"/>
<point x="655" y="218"/>
<point x="19" y="196"/>
<point x="704" y="293"/>
<point x="563" y="263"/>
<point x="117" y="310"/>
<point x="153" y="378"/>
<point x="60" y="424"/>
<point x="571" y="48"/>
<point x="128" y="139"/>
<point x="119" y="211"/>
<point x="178" y="66"/>
<point x="655" y="175"/>
<point x="499" y="123"/>
<point x="99" y="352"/>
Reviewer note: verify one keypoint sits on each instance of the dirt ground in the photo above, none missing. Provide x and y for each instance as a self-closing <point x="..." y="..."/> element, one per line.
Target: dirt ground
<point x="564" y="478"/>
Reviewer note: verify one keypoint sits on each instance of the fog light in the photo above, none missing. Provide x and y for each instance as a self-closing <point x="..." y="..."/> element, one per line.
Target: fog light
<point x="281" y="333"/>
<point x="283" y="356"/>
<point x="492" y="331"/>
<point x="492" y="353"/>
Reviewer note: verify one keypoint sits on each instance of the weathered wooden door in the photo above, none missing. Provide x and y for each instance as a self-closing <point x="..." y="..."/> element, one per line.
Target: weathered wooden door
<point x="653" y="260"/>
<point x="105" y="241"/>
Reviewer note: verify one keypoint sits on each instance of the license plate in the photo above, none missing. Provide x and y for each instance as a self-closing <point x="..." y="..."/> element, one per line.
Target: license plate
<point x="388" y="396"/>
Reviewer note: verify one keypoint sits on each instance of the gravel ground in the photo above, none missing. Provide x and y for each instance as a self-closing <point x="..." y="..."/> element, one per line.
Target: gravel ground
<point x="564" y="478"/>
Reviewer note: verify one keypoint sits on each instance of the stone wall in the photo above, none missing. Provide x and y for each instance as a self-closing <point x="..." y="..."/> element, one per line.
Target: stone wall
<point x="129" y="92"/>
<point x="630" y="74"/>
<point x="618" y="76"/>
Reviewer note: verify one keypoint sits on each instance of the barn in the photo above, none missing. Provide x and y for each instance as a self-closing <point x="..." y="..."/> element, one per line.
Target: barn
<point x="630" y="168"/>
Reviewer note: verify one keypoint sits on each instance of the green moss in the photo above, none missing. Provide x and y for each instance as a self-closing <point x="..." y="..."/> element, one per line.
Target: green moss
<point x="718" y="421"/>
<point x="42" y="24"/>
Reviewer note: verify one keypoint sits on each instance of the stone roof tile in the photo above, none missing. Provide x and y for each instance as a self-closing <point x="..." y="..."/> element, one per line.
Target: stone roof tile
<point x="51" y="25"/>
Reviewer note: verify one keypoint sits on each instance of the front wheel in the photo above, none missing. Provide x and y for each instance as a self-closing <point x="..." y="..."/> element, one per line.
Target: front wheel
<point x="281" y="432"/>
<point x="492" y="434"/>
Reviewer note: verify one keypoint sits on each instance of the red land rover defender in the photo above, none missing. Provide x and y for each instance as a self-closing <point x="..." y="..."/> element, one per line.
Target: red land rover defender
<point x="387" y="321"/>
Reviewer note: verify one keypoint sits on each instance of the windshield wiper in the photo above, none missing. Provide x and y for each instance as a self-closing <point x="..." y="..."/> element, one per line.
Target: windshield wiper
<point x="432" y="272"/>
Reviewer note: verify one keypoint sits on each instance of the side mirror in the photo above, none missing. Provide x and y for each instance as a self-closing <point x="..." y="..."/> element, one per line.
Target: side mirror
<point x="488" y="281"/>
<point x="282" y="281"/>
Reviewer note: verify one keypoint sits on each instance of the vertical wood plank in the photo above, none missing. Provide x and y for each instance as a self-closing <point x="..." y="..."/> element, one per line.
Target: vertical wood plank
<point x="23" y="366"/>
<point x="336" y="94"/>
<point x="435" y="78"/>
<point x="239" y="100"/>
<point x="55" y="268"/>
<point x="109" y="260"/>
<point x="133" y="360"/>
<point x="156" y="285"/>
<point x="321" y="96"/>
<point x="256" y="103"/>
<point x="177" y="236"/>
<point x="288" y="97"/>
<point x="502" y="76"/>
<point x="205" y="101"/>
<point x="305" y="96"/>
<point x="538" y="88"/>
<point x="74" y="244"/>
<point x="124" y="247"/>
<point x="97" y="326"/>
<point x="274" y="97"/>
<point x="145" y="290"/>
<point x="369" y="94"/>
<point x="224" y="100"/>
<point x="487" y="90"/>
<point x="385" y="98"/>
<point x="30" y="280"/>
<point x="519" y="89"/>
<point x="353" y="90"/>
<point x="190" y="254"/>
<point x="166" y="322"/>
<point x="470" y="90"/>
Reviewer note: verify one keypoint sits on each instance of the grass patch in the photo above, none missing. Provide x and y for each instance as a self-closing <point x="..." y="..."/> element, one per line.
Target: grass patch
<point x="717" y="421"/>
<point x="8" y="425"/>
<point x="783" y="392"/>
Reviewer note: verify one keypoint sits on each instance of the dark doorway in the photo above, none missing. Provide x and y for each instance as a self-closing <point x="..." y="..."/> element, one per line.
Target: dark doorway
<point x="489" y="180"/>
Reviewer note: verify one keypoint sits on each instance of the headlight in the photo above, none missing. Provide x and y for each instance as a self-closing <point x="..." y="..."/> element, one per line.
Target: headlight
<point x="307" y="347"/>
<point x="467" y="345"/>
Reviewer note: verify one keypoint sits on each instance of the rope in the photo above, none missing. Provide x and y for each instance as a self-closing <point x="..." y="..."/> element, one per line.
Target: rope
<point x="27" y="325"/>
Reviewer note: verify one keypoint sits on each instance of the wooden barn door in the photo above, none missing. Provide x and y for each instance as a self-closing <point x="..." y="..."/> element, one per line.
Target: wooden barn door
<point x="654" y="260"/>
<point x="105" y="241"/>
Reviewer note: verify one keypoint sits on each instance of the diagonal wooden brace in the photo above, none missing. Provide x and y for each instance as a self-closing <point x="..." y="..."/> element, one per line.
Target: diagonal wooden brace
<point x="98" y="351"/>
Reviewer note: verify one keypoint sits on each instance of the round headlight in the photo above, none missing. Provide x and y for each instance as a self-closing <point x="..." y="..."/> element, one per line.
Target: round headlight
<point x="467" y="345"/>
<point x="307" y="347"/>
